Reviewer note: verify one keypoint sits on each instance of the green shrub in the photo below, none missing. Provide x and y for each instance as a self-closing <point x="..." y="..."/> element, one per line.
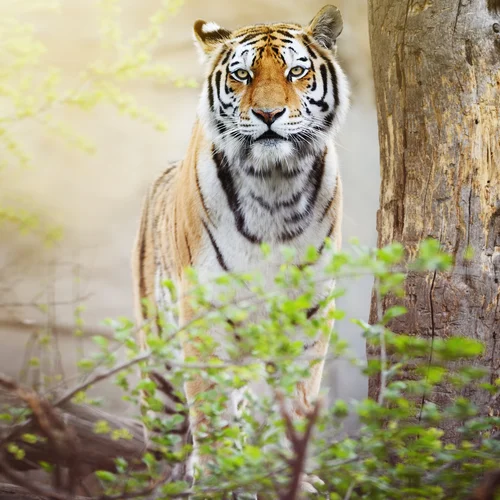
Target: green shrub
<point x="398" y="452"/>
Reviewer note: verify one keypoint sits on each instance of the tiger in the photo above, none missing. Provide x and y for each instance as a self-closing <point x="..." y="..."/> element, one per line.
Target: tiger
<point x="261" y="167"/>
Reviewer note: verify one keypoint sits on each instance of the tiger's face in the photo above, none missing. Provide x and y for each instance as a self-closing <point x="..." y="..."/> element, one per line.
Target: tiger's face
<point x="273" y="92"/>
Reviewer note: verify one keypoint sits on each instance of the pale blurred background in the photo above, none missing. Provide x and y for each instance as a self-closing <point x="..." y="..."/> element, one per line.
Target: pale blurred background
<point x="96" y="199"/>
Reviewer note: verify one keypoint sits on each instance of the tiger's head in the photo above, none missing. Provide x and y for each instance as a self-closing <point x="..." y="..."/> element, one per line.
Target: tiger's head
<point x="273" y="93"/>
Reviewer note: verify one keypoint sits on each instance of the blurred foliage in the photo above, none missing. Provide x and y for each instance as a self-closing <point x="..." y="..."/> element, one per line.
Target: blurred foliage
<point x="33" y="89"/>
<point x="398" y="452"/>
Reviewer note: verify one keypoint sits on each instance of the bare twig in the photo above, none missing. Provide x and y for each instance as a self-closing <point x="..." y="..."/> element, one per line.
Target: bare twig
<point x="38" y="305"/>
<point x="383" y="351"/>
<point x="350" y="491"/>
<point x="299" y="446"/>
<point x="21" y="480"/>
<point x="100" y="377"/>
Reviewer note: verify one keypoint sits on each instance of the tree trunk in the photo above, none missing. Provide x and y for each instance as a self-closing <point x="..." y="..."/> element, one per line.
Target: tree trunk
<point x="436" y="66"/>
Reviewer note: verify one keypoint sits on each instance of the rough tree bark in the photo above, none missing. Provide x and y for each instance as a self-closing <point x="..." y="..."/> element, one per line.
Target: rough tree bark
<point x="436" y="66"/>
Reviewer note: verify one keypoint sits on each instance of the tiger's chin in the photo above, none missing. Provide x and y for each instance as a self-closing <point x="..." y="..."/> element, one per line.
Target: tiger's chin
<point x="267" y="152"/>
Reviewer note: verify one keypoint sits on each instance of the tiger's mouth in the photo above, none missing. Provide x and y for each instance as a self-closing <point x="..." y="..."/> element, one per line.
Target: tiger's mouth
<point x="270" y="135"/>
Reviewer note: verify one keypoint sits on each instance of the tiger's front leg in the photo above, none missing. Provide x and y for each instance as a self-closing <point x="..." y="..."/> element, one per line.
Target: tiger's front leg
<point x="197" y="389"/>
<point x="302" y="404"/>
<point x="203" y="425"/>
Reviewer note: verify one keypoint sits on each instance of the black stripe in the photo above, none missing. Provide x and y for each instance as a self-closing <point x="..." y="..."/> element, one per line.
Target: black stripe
<point x="210" y="92"/>
<point x="333" y="75"/>
<point x="330" y="231"/>
<point x="310" y="346"/>
<point x="217" y="83"/>
<point x="227" y="55"/>
<point x="324" y="76"/>
<point x="227" y="182"/>
<point x="297" y="217"/>
<point x="202" y="198"/>
<point x="142" y="277"/>
<point x="162" y="181"/>
<point x="314" y="179"/>
<point x="321" y="104"/>
<point x="290" y="202"/>
<point x="250" y="37"/>
<point x="330" y="201"/>
<point x="313" y="70"/>
<point x="289" y="234"/>
<point x="220" y="126"/>
<point x="329" y="120"/>
<point x="189" y="250"/>
<point x="218" y="76"/>
<point x="252" y="172"/>
<point x="220" y="258"/>
<point x="176" y="241"/>
<point x="263" y="203"/>
<point x="265" y="174"/>
<point x="312" y="311"/>
<point x="307" y="43"/>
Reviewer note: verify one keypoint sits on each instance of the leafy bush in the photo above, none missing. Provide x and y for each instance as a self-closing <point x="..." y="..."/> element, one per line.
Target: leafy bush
<point x="398" y="452"/>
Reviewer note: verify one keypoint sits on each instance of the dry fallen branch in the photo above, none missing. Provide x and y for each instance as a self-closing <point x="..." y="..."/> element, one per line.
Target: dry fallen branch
<point x="66" y="439"/>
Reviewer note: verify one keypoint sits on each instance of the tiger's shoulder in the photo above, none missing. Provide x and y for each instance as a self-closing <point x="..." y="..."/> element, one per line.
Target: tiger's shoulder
<point x="169" y="235"/>
<point x="146" y="253"/>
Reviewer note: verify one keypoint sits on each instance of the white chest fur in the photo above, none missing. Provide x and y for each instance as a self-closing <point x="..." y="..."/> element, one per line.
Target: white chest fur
<point x="279" y="209"/>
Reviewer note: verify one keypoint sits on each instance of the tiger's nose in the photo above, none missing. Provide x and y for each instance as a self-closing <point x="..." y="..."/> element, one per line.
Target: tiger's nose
<point x="268" y="116"/>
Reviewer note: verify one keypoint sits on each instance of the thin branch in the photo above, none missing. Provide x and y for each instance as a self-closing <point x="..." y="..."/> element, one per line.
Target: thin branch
<point x="350" y="491"/>
<point x="38" y="305"/>
<point x="383" y="351"/>
<point x="100" y="377"/>
<point x="19" y="478"/>
<point x="299" y="446"/>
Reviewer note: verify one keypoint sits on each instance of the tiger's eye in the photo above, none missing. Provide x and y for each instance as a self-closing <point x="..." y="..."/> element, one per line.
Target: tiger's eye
<point x="242" y="74"/>
<point x="297" y="71"/>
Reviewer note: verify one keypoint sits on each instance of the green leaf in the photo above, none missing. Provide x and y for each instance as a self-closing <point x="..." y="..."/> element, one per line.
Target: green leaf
<point x="106" y="476"/>
<point x="458" y="347"/>
<point x="393" y="312"/>
<point x="101" y="341"/>
<point x="29" y="438"/>
<point x="102" y="427"/>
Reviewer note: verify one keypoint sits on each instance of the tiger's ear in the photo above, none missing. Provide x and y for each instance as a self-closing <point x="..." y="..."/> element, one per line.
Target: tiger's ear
<point x="327" y="26"/>
<point x="208" y="36"/>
